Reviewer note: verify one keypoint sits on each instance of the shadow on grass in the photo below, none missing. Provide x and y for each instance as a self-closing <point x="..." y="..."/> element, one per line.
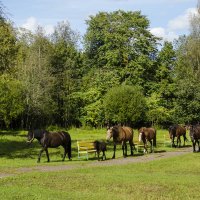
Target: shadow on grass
<point x="15" y="149"/>
<point x="12" y="133"/>
<point x="11" y="149"/>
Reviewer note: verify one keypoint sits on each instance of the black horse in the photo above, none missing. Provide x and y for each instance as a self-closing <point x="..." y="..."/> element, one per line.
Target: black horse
<point x="177" y="131"/>
<point x="195" y="136"/>
<point x="121" y="134"/>
<point x="51" y="140"/>
<point x="100" y="146"/>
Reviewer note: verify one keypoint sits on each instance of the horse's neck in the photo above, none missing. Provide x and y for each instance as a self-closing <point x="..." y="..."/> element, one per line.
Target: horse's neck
<point x="39" y="135"/>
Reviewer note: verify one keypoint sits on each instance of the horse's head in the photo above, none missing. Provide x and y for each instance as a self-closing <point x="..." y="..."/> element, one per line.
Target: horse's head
<point x="172" y="131"/>
<point x="109" y="133"/>
<point x="30" y="137"/>
<point x="141" y="134"/>
<point x="192" y="131"/>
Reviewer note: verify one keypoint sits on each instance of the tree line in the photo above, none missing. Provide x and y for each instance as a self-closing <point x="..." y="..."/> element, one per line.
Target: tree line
<point x="121" y="75"/>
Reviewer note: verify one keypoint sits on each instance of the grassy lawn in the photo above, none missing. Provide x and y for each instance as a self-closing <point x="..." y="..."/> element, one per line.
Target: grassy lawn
<point x="171" y="178"/>
<point x="15" y="152"/>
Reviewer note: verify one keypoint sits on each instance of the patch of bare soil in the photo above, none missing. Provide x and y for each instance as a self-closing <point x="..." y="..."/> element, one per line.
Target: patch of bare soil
<point x="109" y="162"/>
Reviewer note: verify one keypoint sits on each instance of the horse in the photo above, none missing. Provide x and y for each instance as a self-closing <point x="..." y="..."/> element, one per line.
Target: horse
<point x="121" y="134"/>
<point x="147" y="135"/>
<point x="100" y="146"/>
<point x="195" y="136"/>
<point x="177" y="131"/>
<point x="51" y="140"/>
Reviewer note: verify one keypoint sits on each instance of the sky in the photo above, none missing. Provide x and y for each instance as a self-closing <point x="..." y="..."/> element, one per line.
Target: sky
<point x="168" y="18"/>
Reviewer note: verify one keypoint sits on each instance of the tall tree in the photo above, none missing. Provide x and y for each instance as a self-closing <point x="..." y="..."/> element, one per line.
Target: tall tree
<point x="161" y="99"/>
<point x="121" y="40"/>
<point x="66" y="68"/>
<point x="33" y="71"/>
<point x="8" y="46"/>
<point x="119" y="49"/>
<point x="11" y="99"/>
<point x="188" y="72"/>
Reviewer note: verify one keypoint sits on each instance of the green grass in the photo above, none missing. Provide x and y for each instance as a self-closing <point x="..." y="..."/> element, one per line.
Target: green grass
<point x="171" y="178"/>
<point x="15" y="152"/>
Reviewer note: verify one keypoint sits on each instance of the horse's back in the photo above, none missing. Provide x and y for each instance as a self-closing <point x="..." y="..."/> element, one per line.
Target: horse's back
<point x="195" y="132"/>
<point x="180" y="130"/>
<point x="128" y="131"/>
<point x="122" y="133"/>
<point x="56" y="139"/>
<point x="151" y="130"/>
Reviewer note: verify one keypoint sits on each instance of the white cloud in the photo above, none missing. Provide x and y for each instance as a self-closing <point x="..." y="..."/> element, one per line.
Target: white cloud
<point x="164" y="34"/>
<point x="180" y="23"/>
<point x="32" y="23"/>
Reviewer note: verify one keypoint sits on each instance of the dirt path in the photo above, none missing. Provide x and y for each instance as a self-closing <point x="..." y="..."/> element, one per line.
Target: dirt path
<point x="110" y="162"/>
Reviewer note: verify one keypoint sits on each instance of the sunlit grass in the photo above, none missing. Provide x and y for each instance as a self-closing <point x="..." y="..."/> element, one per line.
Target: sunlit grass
<point x="170" y="178"/>
<point x="15" y="152"/>
<point x="161" y="179"/>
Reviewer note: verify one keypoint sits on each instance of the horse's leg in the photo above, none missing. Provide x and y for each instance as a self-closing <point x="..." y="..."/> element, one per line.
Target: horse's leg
<point x="180" y="141"/>
<point x="177" y="141"/>
<point x="47" y="154"/>
<point x="65" y="152"/>
<point x="123" y="146"/>
<point x="194" y="144"/>
<point x="173" y="145"/>
<point x="131" y="147"/>
<point x="198" y="145"/>
<point x="114" y="151"/>
<point x="145" y="147"/>
<point x="184" y="137"/>
<point x="39" y="156"/>
<point x="151" y="143"/>
<point x="125" y="149"/>
<point x="104" y="155"/>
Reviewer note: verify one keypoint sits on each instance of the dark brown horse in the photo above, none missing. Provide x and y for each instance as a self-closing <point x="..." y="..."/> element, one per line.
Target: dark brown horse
<point x="100" y="146"/>
<point x="177" y="131"/>
<point x="195" y="136"/>
<point x="147" y="135"/>
<point x="121" y="134"/>
<point x="51" y="140"/>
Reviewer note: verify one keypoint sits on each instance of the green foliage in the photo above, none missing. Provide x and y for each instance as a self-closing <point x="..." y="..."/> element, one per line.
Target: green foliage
<point x="187" y="74"/>
<point x="124" y="104"/>
<point x="157" y="114"/>
<point x="33" y="72"/>
<point x="121" y="40"/>
<point x="8" y="46"/>
<point x="11" y="99"/>
<point x="66" y="68"/>
<point x="63" y="86"/>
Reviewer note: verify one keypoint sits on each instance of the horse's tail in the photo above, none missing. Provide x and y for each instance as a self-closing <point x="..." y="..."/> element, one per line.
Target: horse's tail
<point x="154" y="140"/>
<point x="68" y="145"/>
<point x="69" y="148"/>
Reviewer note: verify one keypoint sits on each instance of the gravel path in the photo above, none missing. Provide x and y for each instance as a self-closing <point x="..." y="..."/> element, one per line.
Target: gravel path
<point x="110" y="162"/>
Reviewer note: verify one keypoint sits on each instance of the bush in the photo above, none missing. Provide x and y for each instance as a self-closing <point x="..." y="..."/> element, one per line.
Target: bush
<point x="124" y="104"/>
